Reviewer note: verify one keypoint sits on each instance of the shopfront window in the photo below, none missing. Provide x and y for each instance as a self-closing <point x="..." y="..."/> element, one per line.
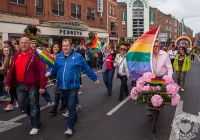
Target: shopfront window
<point x="58" y="7"/>
<point x="76" y="11"/>
<point x="90" y="14"/>
<point x="22" y="2"/>
<point x="39" y="6"/>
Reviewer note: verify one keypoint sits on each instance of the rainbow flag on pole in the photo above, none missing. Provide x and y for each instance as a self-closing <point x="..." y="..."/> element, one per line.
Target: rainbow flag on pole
<point x="139" y="55"/>
<point x="46" y="57"/>
<point x="96" y="45"/>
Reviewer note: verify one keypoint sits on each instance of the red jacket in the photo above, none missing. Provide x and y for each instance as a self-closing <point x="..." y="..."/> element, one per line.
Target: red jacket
<point x="34" y="74"/>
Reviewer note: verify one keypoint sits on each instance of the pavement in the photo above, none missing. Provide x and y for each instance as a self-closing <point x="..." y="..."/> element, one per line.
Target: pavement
<point x="104" y="117"/>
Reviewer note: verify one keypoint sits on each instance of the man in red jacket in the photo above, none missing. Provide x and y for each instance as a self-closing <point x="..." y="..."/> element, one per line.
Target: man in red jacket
<point x="27" y="72"/>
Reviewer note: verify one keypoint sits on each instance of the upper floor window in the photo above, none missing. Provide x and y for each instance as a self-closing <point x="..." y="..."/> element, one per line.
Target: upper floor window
<point x="76" y="11"/>
<point x="110" y="9"/>
<point x="58" y="7"/>
<point x="101" y="17"/>
<point x="113" y="11"/>
<point x="18" y="1"/>
<point x="39" y="6"/>
<point x="90" y="14"/>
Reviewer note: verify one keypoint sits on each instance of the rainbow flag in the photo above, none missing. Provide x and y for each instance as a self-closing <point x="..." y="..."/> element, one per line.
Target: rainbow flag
<point x="96" y="45"/>
<point x="139" y="56"/>
<point x="157" y="82"/>
<point x="46" y="57"/>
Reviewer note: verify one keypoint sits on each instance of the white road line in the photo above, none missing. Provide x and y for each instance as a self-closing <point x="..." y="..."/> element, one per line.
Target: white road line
<point x="118" y="106"/>
<point x="197" y="56"/>
<point x="94" y="72"/>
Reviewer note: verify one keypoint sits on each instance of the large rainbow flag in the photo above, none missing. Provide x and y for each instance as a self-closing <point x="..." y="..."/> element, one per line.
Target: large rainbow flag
<point x="96" y="45"/>
<point x="139" y="55"/>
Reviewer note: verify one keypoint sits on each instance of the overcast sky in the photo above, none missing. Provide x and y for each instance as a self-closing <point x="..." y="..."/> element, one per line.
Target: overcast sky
<point x="189" y="10"/>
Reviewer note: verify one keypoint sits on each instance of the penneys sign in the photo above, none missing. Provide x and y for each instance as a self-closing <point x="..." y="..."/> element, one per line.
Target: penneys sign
<point x="70" y="32"/>
<point x="144" y="1"/>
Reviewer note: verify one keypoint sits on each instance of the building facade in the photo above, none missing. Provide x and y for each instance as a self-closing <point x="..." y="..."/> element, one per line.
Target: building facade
<point x="65" y="17"/>
<point x="137" y="18"/>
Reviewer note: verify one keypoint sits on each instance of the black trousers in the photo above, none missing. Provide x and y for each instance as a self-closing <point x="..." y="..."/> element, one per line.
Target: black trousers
<point x="1" y="83"/>
<point x="13" y="95"/>
<point x="124" y="87"/>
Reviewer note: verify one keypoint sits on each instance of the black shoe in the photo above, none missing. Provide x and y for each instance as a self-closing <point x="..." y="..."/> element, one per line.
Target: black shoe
<point x="120" y="99"/>
<point x="53" y="110"/>
<point x="109" y="94"/>
<point x="63" y="106"/>
<point x="126" y="94"/>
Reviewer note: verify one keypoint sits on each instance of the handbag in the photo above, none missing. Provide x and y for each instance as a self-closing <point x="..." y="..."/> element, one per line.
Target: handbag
<point x="55" y="89"/>
<point x="117" y="75"/>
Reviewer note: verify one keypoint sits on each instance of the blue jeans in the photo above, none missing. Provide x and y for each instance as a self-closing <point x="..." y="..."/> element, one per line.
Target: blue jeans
<point x="57" y="99"/>
<point x="28" y="100"/>
<point x="70" y="98"/>
<point x="108" y="79"/>
<point x="46" y="96"/>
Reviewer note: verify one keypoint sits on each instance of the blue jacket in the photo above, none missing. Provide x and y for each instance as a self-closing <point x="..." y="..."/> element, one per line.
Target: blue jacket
<point x="68" y="70"/>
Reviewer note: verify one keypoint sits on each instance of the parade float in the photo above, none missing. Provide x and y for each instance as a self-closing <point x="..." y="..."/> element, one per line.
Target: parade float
<point x="180" y="41"/>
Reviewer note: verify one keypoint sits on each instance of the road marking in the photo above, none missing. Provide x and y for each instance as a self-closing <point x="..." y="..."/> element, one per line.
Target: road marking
<point x="179" y="111"/>
<point x="94" y="72"/>
<point x="118" y="106"/>
<point x="197" y="57"/>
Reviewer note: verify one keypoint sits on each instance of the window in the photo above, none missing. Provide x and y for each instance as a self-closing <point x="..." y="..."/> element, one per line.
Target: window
<point x="58" y="7"/>
<point x="39" y="7"/>
<point x="18" y="1"/>
<point x="166" y="20"/>
<point x="113" y="11"/>
<point x="110" y="9"/>
<point x="101" y="17"/>
<point x="76" y="11"/>
<point x="91" y="14"/>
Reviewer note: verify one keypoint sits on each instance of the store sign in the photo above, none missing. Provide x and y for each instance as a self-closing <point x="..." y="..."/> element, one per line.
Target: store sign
<point x="113" y="38"/>
<point x="70" y="32"/>
<point x="123" y="17"/>
<point x="151" y="17"/>
<point x="144" y="1"/>
<point x="100" y="6"/>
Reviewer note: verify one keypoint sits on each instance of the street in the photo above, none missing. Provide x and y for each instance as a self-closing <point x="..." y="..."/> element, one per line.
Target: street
<point x="104" y="117"/>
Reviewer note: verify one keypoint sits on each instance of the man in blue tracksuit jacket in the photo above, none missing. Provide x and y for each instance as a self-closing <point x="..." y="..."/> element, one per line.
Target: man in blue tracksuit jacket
<point x="67" y="67"/>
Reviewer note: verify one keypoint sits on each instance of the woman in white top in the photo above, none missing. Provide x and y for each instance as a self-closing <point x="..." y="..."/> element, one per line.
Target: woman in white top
<point x="172" y="53"/>
<point x="122" y="71"/>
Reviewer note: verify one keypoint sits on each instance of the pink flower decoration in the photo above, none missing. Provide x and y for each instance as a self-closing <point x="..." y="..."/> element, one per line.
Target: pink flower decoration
<point x="146" y="88"/>
<point x="134" y="93"/>
<point x="140" y="82"/>
<point x="172" y="89"/>
<point x="147" y="76"/>
<point x="175" y="99"/>
<point x="158" y="88"/>
<point x="156" y="100"/>
<point x="168" y="79"/>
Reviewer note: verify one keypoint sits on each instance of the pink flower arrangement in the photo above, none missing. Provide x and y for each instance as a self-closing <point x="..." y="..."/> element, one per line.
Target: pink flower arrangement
<point x="168" y="79"/>
<point x="172" y="89"/>
<point x="134" y="93"/>
<point x="156" y="100"/>
<point x="175" y="99"/>
<point x="147" y="76"/>
<point x="140" y="82"/>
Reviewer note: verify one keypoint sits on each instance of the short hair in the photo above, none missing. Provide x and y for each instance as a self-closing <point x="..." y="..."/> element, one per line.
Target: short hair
<point x="67" y="40"/>
<point x="8" y="42"/>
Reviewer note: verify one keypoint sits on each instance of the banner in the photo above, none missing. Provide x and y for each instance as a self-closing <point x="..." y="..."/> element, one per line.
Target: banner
<point x="100" y="6"/>
<point x="123" y="17"/>
<point x="151" y="17"/>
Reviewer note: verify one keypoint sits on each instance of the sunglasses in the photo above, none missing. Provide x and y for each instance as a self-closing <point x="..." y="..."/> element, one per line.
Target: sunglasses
<point x="156" y="46"/>
<point x="123" y="49"/>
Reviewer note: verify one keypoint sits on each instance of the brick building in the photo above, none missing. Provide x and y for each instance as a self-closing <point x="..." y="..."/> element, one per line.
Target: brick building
<point x="80" y="15"/>
<point x="169" y="26"/>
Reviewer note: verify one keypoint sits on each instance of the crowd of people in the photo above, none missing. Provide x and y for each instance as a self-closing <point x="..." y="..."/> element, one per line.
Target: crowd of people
<point x="25" y="75"/>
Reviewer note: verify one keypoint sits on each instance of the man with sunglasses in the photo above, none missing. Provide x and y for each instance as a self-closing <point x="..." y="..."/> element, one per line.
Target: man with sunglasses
<point x="161" y="64"/>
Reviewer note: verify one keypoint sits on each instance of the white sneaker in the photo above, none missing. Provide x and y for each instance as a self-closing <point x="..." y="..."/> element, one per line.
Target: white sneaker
<point x="49" y="104"/>
<point x="78" y="108"/>
<point x="68" y="132"/>
<point x="66" y="114"/>
<point x="34" y="131"/>
<point x="16" y="104"/>
<point x="182" y="89"/>
<point x="9" y="107"/>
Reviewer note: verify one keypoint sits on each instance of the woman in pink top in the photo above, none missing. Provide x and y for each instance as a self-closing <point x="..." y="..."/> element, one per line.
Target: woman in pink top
<point x="108" y="68"/>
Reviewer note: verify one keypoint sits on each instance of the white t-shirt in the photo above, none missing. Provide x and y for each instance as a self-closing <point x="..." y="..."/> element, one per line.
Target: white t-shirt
<point x="172" y="54"/>
<point x="121" y="67"/>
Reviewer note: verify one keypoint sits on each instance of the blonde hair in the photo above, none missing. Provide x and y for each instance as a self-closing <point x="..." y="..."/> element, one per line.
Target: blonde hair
<point x="104" y="46"/>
